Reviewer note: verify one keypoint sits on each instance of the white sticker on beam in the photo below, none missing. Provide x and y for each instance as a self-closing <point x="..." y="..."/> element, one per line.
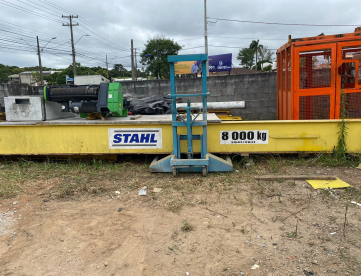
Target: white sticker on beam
<point x="129" y="138"/>
<point x="244" y="137"/>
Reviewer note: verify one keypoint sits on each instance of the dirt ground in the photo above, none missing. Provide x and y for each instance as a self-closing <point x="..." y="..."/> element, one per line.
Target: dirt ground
<point x="86" y="218"/>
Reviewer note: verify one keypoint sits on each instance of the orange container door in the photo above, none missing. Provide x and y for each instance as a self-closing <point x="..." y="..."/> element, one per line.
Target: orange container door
<point x="314" y="82"/>
<point x="349" y="78"/>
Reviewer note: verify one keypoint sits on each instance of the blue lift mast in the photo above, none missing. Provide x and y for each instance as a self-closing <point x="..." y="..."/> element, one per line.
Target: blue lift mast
<point x="174" y="163"/>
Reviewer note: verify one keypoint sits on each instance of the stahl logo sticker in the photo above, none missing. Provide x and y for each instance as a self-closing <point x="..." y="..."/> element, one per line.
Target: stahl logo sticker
<point x="244" y="137"/>
<point x="127" y="138"/>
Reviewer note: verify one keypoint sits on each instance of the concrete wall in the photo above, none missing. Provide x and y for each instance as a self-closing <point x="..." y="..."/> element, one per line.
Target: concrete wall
<point x="257" y="90"/>
<point x="21" y="89"/>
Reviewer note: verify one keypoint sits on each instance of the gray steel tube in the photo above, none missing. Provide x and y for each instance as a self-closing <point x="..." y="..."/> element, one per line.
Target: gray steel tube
<point x="216" y="105"/>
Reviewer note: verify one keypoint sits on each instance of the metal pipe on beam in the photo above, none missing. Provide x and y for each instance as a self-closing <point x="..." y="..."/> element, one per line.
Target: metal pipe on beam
<point x="216" y="105"/>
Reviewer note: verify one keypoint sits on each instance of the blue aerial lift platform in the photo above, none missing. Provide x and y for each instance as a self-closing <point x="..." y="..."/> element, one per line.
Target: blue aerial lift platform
<point x="174" y="163"/>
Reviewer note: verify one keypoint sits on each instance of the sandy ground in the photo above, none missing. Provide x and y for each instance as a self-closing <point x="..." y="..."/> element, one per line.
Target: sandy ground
<point x="284" y="228"/>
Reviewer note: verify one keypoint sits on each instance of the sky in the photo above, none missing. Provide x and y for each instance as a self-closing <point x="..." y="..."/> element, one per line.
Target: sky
<point x="111" y="24"/>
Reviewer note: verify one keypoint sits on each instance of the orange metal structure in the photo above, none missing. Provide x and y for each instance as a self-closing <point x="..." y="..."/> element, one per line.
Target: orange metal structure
<point x="311" y="73"/>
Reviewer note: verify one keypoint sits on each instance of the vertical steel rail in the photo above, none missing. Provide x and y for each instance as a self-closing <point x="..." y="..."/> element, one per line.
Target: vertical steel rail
<point x="204" y="101"/>
<point x="189" y="132"/>
<point x="174" y="108"/>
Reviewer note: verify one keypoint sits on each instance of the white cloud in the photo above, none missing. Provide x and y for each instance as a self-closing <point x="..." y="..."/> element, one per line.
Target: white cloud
<point x="119" y="21"/>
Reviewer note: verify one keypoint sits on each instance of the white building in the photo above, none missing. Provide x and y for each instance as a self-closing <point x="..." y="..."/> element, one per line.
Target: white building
<point x="90" y="79"/>
<point x="27" y="77"/>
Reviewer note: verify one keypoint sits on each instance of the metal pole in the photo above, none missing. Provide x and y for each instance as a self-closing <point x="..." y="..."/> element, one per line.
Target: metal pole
<point x="72" y="46"/>
<point x="204" y="107"/>
<point x="132" y="56"/>
<point x="214" y="105"/>
<point x="205" y="35"/>
<point x="174" y="110"/>
<point x="40" y="66"/>
<point x="136" y="64"/>
<point x="106" y="61"/>
<point x="72" y="39"/>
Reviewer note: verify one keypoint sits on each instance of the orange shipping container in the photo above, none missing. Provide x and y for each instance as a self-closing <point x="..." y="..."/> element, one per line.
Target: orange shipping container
<point x="311" y="73"/>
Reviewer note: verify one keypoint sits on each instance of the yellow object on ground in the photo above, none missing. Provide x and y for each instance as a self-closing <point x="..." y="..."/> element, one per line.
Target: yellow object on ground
<point x="359" y="166"/>
<point x="323" y="184"/>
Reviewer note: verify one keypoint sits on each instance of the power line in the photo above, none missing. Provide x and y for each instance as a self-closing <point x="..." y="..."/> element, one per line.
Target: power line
<point x="107" y="40"/>
<point x="44" y="7"/>
<point x="41" y="15"/>
<point x="27" y="31"/>
<point x="37" y="8"/>
<point x="16" y="35"/>
<point x="100" y="42"/>
<point x="58" y="7"/>
<point x="28" y="11"/>
<point x="248" y="38"/>
<point x="286" y="24"/>
<point x="12" y="39"/>
<point x="98" y="32"/>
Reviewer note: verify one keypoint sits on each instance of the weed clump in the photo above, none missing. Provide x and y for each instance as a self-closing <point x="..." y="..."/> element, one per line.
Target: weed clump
<point x="187" y="227"/>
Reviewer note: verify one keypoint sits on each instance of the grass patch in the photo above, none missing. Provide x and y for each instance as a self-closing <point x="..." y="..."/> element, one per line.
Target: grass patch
<point x="293" y="235"/>
<point x="187" y="227"/>
<point x="8" y="190"/>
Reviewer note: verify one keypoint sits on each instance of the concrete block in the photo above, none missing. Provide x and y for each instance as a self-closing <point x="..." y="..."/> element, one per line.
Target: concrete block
<point x="24" y="108"/>
<point x="33" y="108"/>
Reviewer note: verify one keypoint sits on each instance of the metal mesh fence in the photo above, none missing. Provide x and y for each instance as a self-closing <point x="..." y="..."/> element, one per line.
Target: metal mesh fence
<point x="315" y="69"/>
<point x="314" y="107"/>
<point x="353" y="105"/>
<point x="311" y="72"/>
<point x="348" y="73"/>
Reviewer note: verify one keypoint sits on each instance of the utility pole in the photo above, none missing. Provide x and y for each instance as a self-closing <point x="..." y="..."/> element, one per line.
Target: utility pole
<point x="40" y="66"/>
<point x="72" y="38"/>
<point x="205" y="36"/>
<point x="106" y="61"/>
<point x="256" y="56"/>
<point x="132" y="57"/>
<point x="136" y="64"/>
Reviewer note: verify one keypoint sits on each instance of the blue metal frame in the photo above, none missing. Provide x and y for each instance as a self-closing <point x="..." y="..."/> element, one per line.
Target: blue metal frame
<point x="189" y="123"/>
<point x="207" y="162"/>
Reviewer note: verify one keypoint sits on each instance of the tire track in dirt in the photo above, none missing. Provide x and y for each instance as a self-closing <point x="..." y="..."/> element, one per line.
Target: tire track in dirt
<point x="132" y="251"/>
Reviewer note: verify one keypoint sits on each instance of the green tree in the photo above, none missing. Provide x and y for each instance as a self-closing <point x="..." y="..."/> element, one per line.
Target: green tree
<point x="51" y="79"/>
<point x="159" y="48"/>
<point x="255" y="46"/>
<point x="118" y="71"/>
<point x="265" y="54"/>
<point x="246" y="57"/>
<point x="267" y="68"/>
<point x="6" y="71"/>
<point x="35" y="76"/>
<point x="81" y="71"/>
<point x="118" y="67"/>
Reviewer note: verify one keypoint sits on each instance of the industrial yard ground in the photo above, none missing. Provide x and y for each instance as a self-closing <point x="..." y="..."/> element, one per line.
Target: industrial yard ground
<point x="86" y="218"/>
